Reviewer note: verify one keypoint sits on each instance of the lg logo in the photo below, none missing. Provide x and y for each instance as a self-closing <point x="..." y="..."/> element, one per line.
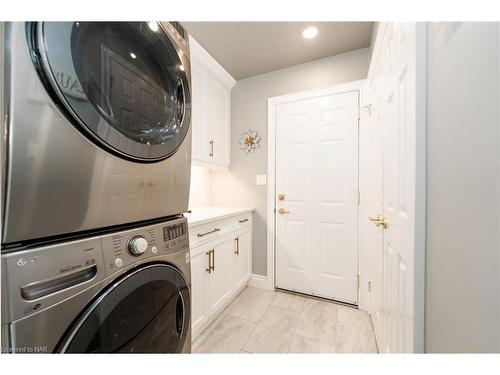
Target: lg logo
<point x="22" y="262"/>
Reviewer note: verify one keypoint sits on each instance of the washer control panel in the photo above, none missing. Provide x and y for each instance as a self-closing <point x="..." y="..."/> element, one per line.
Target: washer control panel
<point x="137" y="245"/>
<point x="127" y="247"/>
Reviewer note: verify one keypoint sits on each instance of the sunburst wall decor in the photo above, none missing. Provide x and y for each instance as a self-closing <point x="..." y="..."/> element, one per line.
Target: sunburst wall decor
<point x="249" y="141"/>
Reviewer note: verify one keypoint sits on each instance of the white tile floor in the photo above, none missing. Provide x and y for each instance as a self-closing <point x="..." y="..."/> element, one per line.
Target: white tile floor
<point x="264" y="321"/>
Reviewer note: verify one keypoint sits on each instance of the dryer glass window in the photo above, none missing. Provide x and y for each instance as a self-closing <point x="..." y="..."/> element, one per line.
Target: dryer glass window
<point x="123" y="82"/>
<point x="147" y="312"/>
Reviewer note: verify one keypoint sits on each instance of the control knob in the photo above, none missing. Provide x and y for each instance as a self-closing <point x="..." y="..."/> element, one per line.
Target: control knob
<point x="137" y="245"/>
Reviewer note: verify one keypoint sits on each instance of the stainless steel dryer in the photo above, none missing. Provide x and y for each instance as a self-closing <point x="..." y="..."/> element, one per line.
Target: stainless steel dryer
<point x="122" y="292"/>
<point x="98" y="126"/>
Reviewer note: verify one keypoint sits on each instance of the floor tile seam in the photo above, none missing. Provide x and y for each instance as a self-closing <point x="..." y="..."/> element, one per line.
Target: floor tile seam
<point x="316" y="340"/>
<point x="255" y="327"/>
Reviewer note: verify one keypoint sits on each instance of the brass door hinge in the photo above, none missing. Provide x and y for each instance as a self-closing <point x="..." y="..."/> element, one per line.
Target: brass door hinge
<point x="357" y="278"/>
<point x="369" y="286"/>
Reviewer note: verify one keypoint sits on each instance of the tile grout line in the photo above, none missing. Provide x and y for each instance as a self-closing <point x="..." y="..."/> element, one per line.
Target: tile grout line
<point x="257" y="323"/>
<point x="295" y="329"/>
<point x="319" y="341"/>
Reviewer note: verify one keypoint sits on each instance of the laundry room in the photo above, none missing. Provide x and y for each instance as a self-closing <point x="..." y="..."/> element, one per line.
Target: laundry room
<point x="240" y="186"/>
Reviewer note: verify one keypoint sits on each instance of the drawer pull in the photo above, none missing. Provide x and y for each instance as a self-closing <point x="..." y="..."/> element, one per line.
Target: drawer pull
<point x="237" y="252"/>
<point x="244" y="220"/>
<point x="211" y="152"/>
<point x="207" y="233"/>
<point x="211" y="259"/>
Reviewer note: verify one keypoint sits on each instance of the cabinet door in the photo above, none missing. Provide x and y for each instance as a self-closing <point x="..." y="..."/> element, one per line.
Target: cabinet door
<point x="218" y="121"/>
<point x="199" y="113"/>
<point x="242" y="257"/>
<point x="199" y="276"/>
<point x="220" y="279"/>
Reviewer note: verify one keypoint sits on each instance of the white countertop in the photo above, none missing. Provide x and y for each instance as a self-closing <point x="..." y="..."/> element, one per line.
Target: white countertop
<point x="202" y="215"/>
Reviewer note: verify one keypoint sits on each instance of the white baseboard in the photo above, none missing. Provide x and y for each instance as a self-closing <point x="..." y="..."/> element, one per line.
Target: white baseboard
<point x="259" y="281"/>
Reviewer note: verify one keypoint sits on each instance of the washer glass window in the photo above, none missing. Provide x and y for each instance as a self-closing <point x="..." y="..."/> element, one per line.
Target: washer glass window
<point x="123" y="82"/>
<point x="145" y="312"/>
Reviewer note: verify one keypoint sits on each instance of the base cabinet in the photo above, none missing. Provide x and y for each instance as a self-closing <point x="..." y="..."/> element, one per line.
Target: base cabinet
<point x="242" y="260"/>
<point x="199" y="277"/>
<point x="219" y="281"/>
<point x="220" y="268"/>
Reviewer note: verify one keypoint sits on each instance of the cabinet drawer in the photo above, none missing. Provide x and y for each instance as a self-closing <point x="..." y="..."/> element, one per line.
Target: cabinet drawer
<point x="208" y="232"/>
<point x="244" y="220"/>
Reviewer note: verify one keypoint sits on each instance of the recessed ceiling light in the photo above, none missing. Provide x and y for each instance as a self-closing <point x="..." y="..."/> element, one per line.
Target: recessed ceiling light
<point x="153" y="25"/>
<point x="310" y="32"/>
<point x="132" y="55"/>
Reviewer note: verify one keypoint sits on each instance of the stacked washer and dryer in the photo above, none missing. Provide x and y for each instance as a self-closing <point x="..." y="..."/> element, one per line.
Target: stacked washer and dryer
<point x="96" y="157"/>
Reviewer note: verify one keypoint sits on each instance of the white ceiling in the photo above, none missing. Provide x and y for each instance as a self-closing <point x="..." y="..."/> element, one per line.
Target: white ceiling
<point x="246" y="49"/>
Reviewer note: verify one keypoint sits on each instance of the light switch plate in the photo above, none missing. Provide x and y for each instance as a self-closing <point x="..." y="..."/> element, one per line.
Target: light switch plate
<point x="261" y="179"/>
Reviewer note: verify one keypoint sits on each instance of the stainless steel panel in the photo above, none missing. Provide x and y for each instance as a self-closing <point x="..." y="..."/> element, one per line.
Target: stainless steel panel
<point x="25" y="267"/>
<point x="41" y="329"/>
<point x="58" y="181"/>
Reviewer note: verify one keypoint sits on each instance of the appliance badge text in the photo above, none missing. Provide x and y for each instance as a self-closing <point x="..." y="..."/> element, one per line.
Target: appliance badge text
<point x="70" y="268"/>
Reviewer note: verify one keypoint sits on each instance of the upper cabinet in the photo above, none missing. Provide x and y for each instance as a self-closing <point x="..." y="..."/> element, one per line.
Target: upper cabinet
<point x="211" y="104"/>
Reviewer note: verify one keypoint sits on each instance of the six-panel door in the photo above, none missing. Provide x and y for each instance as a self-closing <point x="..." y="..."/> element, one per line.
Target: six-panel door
<point x="317" y="195"/>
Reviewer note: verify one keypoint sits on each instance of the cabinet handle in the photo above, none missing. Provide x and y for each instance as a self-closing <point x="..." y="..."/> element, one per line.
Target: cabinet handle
<point x="244" y="220"/>
<point x="211" y="152"/>
<point x="209" y="269"/>
<point x="237" y="252"/>
<point x="210" y="232"/>
<point x="211" y="259"/>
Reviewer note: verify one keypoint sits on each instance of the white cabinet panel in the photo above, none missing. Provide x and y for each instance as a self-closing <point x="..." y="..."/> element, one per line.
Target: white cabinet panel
<point x="220" y="283"/>
<point x="199" y="118"/>
<point x="211" y="98"/>
<point x="242" y="254"/>
<point x="199" y="264"/>
<point x="217" y="114"/>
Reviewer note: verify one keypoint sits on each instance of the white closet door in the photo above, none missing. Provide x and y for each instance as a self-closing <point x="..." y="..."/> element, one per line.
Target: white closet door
<point x="317" y="172"/>
<point x="374" y="196"/>
<point x="398" y="115"/>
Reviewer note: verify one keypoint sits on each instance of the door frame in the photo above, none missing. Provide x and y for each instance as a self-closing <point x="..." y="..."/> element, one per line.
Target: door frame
<point x="272" y="102"/>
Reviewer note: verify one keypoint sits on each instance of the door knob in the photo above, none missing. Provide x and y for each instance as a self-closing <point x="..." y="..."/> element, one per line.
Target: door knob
<point x="379" y="221"/>
<point x="283" y="211"/>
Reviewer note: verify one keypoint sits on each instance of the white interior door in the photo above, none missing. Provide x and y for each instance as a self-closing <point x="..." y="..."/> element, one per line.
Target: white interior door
<point x="317" y="178"/>
<point x="399" y="193"/>
<point x="391" y="188"/>
<point x="374" y="197"/>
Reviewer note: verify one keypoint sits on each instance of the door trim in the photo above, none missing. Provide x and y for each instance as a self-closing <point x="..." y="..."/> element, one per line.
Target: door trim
<point x="272" y="102"/>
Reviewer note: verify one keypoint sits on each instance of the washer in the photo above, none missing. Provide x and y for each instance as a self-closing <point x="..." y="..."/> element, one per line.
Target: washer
<point x="98" y="131"/>
<point x="113" y="293"/>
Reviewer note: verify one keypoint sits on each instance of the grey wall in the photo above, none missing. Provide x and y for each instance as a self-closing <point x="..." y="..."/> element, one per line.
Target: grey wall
<point x="463" y="188"/>
<point x="249" y="110"/>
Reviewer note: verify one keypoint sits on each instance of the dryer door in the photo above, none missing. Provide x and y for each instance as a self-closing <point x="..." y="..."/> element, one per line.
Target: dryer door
<point x="147" y="311"/>
<point x="123" y="83"/>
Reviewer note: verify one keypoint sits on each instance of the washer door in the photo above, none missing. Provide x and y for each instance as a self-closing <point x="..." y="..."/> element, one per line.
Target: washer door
<point x="147" y="311"/>
<point x="123" y="83"/>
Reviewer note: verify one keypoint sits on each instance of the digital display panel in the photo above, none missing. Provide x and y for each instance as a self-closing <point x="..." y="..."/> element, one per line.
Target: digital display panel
<point x="173" y="231"/>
